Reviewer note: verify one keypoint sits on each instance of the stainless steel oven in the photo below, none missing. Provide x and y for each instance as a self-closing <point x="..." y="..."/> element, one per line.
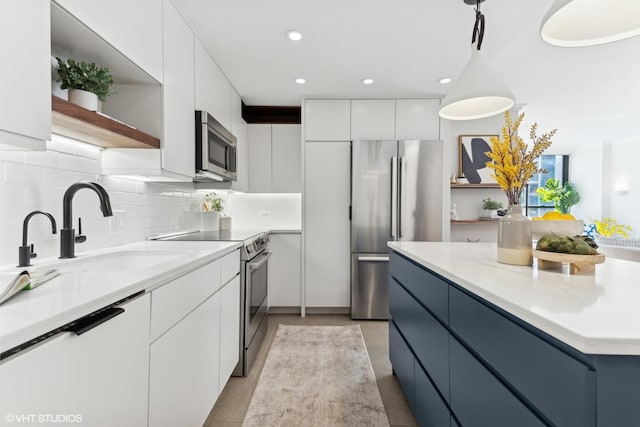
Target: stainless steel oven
<point x="254" y="280"/>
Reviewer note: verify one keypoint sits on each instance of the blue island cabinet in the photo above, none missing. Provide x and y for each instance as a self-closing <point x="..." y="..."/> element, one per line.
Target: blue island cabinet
<point x="462" y="361"/>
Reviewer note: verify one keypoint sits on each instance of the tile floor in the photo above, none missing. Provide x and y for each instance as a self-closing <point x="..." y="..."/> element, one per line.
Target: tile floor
<point x="234" y="400"/>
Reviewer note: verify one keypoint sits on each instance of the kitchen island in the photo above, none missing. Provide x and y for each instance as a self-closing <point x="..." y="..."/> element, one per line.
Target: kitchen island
<point x="475" y="342"/>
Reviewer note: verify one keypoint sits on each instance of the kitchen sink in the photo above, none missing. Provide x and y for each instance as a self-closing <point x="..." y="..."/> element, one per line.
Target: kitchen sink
<point x="118" y="261"/>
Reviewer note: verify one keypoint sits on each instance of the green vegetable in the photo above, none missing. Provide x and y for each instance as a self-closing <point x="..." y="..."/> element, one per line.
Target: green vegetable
<point x="552" y="242"/>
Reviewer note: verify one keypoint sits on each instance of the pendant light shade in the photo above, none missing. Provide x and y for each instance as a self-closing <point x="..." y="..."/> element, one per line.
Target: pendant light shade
<point x="477" y="92"/>
<point x="575" y="23"/>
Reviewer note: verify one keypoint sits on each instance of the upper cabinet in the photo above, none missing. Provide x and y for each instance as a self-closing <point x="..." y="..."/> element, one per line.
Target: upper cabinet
<point x="275" y="158"/>
<point x="213" y="90"/>
<point x="178" y="148"/>
<point x="132" y="27"/>
<point x="25" y="112"/>
<point x="239" y="129"/>
<point x="373" y="119"/>
<point x="327" y="120"/>
<point x="417" y="119"/>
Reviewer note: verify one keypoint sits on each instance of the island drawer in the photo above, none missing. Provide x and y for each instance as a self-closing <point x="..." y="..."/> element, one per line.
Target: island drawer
<point x="401" y="308"/>
<point x="430" y="409"/>
<point x="558" y="385"/>
<point x="403" y="362"/>
<point x="428" y="289"/>
<point x="431" y="345"/>
<point x="479" y="399"/>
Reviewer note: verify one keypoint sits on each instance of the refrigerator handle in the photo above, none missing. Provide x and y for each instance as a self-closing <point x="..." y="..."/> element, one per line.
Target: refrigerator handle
<point x="401" y="178"/>
<point x="394" y="198"/>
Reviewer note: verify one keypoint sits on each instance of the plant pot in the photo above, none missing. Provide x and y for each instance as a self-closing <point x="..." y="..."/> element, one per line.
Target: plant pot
<point x="490" y="213"/>
<point x="210" y="221"/>
<point x="84" y="99"/>
<point x="225" y="223"/>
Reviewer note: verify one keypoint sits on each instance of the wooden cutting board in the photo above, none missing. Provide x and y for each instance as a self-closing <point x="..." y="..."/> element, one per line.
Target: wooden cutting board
<point x="578" y="264"/>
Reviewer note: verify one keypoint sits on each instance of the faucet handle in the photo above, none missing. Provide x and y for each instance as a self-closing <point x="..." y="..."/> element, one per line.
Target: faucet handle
<point x="80" y="238"/>
<point x="33" y="254"/>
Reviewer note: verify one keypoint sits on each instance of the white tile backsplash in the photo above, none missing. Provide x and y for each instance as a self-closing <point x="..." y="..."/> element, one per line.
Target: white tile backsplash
<point x="269" y="210"/>
<point x="37" y="181"/>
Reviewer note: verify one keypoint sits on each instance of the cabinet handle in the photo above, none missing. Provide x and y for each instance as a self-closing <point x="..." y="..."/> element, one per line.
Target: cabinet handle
<point x="89" y="322"/>
<point x="373" y="258"/>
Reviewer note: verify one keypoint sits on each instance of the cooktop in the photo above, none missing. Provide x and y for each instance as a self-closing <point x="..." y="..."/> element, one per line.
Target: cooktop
<point x="222" y="235"/>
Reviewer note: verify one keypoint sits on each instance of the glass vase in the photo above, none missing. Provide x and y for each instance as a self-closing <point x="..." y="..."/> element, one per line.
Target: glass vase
<point x="514" y="238"/>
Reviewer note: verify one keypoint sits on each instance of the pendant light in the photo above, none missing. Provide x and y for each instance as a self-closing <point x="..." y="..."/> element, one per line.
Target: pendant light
<point x="477" y="92"/>
<point x="575" y="23"/>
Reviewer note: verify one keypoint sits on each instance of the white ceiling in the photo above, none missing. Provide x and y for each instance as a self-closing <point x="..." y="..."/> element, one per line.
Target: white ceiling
<point x="590" y="94"/>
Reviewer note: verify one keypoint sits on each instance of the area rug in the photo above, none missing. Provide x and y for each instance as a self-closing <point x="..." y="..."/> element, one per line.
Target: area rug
<point x="317" y="376"/>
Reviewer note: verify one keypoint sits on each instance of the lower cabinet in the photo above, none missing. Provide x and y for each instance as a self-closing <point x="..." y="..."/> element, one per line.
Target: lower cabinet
<point x="184" y="368"/>
<point x="430" y="410"/>
<point x="99" y="378"/>
<point x="461" y="360"/>
<point x="285" y="275"/>
<point x="192" y="359"/>
<point x="479" y="399"/>
<point x="229" y="330"/>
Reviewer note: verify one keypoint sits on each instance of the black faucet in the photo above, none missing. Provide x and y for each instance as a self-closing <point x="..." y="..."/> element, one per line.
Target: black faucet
<point x="68" y="237"/>
<point x="25" y="252"/>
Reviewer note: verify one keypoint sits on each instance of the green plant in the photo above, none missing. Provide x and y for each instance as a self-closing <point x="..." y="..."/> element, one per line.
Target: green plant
<point x="212" y="203"/>
<point x="562" y="196"/>
<point x="85" y="76"/>
<point x="489" y="204"/>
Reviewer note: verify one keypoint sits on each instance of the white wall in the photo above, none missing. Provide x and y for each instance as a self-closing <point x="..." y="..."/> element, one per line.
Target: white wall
<point x="594" y="170"/>
<point x="38" y="180"/>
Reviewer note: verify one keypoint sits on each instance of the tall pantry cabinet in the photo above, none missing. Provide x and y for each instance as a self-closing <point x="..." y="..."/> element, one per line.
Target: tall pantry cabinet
<point x="329" y="126"/>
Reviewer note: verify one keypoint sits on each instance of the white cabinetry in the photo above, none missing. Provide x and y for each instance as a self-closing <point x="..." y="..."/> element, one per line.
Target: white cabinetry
<point x="286" y="159"/>
<point x="184" y="369"/>
<point x="213" y="90"/>
<point x="326" y="222"/>
<point x="327" y="119"/>
<point x="259" y="158"/>
<point x="417" y="119"/>
<point x="284" y="270"/>
<point x="239" y="130"/>
<point x="195" y="333"/>
<point x="178" y="147"/>
<point x="132" y="27"/>
<point x="229" y="329"/>
<point x="373" y="119"/>
<point x="25" y="110"/>
<point x="275" y="158"/>
<point x="101" y="376"/>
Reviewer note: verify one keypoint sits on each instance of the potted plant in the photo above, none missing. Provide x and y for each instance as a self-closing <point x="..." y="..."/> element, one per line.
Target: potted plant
<point x="562" y="196"/>
<point x="87" y="83"/>
<point x="211" y="209"/>
<point x="491" y="207"/>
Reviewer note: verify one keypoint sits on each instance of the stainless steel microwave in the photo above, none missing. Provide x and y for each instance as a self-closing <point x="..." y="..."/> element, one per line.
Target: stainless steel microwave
<point x="215" y="150"/>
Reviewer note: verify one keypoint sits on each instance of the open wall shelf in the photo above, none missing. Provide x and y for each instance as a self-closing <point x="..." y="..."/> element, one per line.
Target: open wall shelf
<point x="94" y="128"/>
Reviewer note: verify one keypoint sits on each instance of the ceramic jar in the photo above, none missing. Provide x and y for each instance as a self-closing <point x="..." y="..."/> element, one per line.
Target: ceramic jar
<point x="514" y="238"/>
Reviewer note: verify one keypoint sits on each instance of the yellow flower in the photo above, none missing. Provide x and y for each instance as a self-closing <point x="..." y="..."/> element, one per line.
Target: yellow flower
<point x="512" y="162"/>
<point x="608" y="227"/>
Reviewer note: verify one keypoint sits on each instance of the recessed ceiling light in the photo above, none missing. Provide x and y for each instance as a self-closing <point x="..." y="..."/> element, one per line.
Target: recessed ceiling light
<point x="367" y="81"/>
<point x="294" y="35"/>
<point x="444" y="80"/>
<point x="300" y="81"/>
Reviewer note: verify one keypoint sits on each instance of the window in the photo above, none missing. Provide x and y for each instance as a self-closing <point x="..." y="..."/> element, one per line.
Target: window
<point x="557" y="167"/>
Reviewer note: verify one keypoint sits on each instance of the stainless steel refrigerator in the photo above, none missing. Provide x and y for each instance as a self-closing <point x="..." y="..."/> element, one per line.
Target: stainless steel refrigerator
<point x="396" y="194"/>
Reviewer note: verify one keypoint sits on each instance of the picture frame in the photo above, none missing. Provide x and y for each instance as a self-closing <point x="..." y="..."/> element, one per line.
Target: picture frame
<point x="472" y="160"/>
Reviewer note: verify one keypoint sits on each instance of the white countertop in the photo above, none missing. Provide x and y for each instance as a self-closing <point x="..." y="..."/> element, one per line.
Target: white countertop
<point x="74" y="294"/>
<point x="595" y="314"/>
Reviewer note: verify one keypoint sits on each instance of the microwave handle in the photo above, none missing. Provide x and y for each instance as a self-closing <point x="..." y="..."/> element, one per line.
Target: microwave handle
<point x="205" y="147"/>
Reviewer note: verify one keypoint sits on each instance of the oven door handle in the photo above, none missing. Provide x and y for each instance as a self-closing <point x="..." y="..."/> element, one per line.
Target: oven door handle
<point x="257" y="264"/>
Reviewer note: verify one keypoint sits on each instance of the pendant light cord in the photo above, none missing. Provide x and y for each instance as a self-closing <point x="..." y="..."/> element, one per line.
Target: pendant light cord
<point x="478" y="28"/>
